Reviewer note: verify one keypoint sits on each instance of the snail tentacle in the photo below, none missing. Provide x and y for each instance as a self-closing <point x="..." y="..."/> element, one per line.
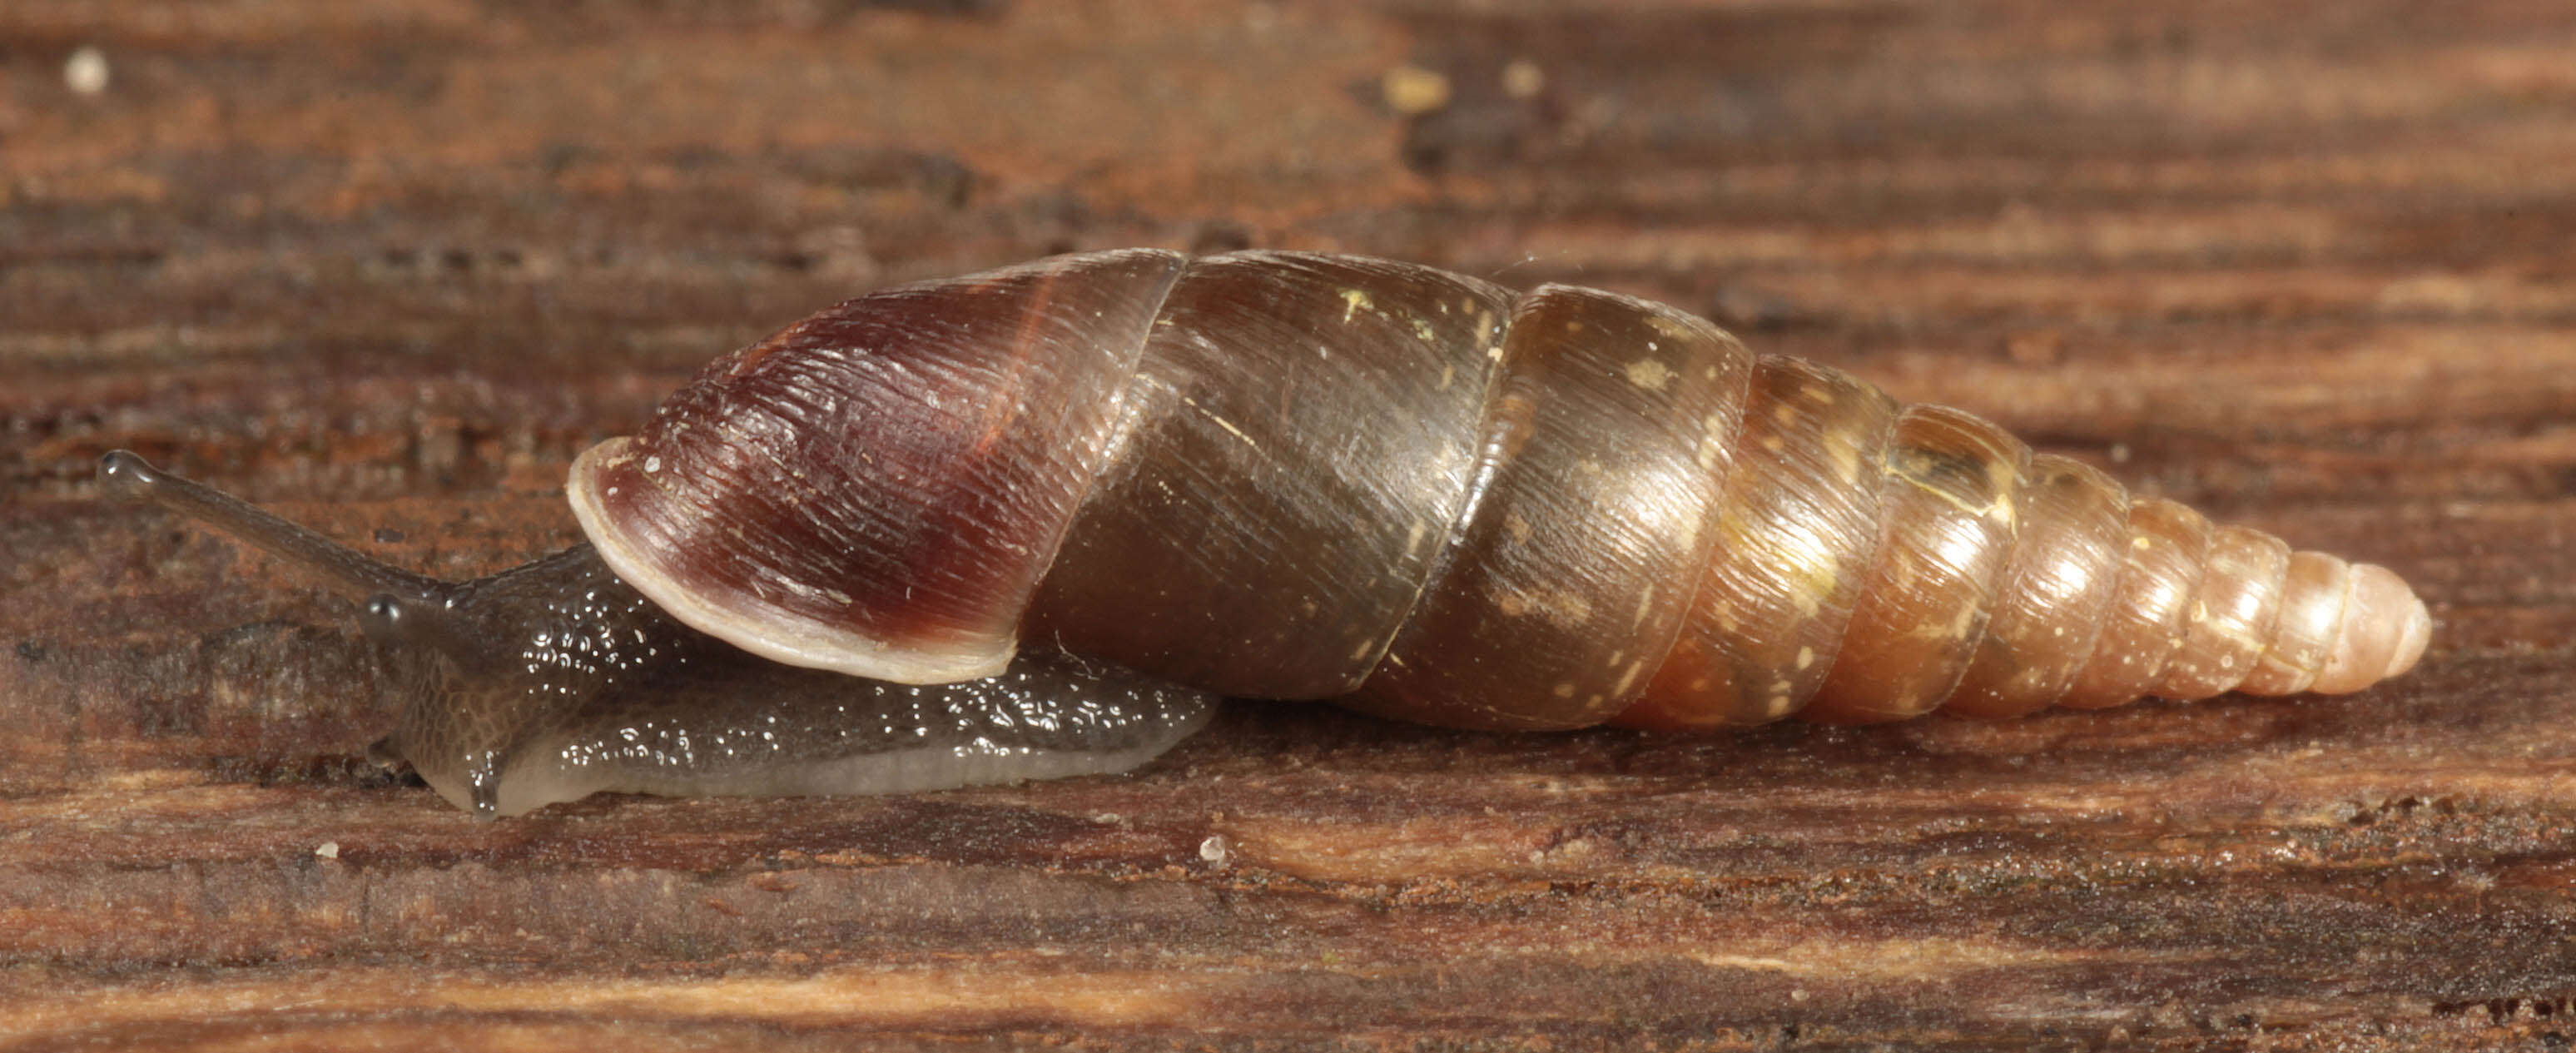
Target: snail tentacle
<point x="125" y="474"/>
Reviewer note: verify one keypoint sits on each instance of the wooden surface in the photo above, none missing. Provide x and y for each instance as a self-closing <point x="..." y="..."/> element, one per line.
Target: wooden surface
<point x="386" y="266"/>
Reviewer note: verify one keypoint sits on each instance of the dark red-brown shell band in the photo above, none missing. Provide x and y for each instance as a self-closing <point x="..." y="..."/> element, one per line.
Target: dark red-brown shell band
<point x="878" y="488"/>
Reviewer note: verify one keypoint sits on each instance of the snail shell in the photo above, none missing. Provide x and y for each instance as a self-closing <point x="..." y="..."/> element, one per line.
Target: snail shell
<point x="1303" y="476"/>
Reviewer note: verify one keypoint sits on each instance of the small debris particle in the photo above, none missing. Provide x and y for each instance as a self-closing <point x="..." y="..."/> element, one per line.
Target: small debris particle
<point x="85" y="72"/>
<point x="1412" y="90"/>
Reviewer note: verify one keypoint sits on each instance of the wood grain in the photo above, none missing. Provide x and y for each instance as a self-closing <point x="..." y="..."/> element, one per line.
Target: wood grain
<point x="386" y="266"/>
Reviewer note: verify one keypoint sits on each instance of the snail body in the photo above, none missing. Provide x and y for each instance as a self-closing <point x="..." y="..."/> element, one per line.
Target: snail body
<point x="1297" y="476"/>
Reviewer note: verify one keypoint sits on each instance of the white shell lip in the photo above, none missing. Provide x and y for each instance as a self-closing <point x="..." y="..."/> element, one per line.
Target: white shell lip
<point x="770" y="634"/>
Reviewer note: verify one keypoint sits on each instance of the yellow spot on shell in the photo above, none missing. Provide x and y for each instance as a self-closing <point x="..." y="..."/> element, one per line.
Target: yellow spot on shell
<point x="1352" y="301"/>
<point x="1569" y="608"/>
<point x="1565" y="690"/>
<point x="1964" y="627"/>
<point x="1628" y="677"/>
<point x="1562" y="606"/>
<point x="1220" y="422"/>
<point x="1844" y="447"/>
<point x="1650" y="374"/>
<point x="2001" y="478"/>
<point x="1810" y="600"/>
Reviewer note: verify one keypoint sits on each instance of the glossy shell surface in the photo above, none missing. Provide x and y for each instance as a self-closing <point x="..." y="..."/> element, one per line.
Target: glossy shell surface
<point x="1293" y="475"/>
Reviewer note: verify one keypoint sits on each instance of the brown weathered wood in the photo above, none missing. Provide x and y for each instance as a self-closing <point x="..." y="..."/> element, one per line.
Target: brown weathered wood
<point x="387" y="266"/>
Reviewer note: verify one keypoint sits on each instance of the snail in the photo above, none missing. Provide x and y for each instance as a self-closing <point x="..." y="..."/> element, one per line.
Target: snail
<point x="1293" y="476"/>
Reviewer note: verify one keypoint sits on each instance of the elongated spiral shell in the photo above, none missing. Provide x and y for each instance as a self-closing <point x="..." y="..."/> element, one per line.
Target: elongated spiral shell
<point x="1291" y="475"/>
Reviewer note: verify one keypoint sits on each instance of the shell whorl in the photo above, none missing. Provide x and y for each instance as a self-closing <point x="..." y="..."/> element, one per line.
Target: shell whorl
<point x="1306" y="476"/>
